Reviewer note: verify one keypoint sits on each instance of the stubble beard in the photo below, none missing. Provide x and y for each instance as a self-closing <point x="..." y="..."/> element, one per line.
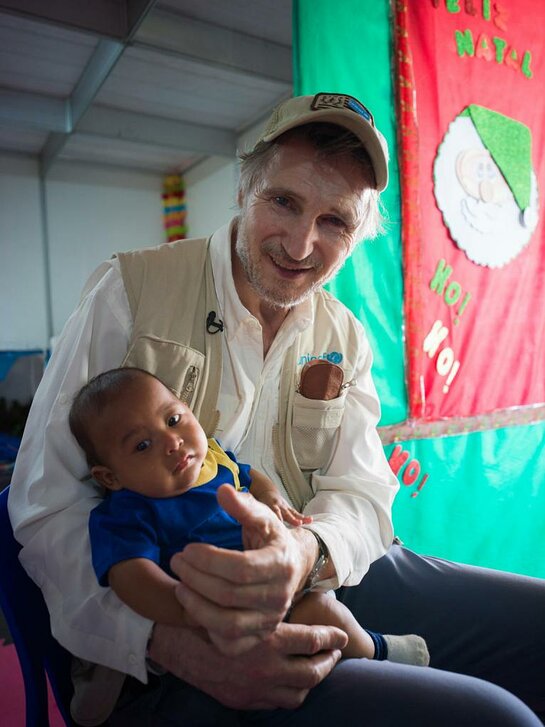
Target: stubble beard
<point x="281" y="295"/>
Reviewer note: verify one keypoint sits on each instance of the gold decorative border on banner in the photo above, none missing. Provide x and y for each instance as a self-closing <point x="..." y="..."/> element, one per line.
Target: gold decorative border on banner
<point x="515" y="417"/>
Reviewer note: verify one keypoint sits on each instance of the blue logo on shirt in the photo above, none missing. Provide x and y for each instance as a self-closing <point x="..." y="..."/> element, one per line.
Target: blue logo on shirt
<point x="333" y="357"/>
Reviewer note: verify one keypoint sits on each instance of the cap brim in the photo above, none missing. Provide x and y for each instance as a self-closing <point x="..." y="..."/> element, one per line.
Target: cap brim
<point x="362" y="129"/>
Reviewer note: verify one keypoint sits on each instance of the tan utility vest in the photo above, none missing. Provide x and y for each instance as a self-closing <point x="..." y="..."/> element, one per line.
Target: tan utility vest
<point x="171" y="291"/>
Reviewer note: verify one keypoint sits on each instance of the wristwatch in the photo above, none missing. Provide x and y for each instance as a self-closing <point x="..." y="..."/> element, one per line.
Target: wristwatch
<point x="321" y="561"/>
<point x="152" y="666"/>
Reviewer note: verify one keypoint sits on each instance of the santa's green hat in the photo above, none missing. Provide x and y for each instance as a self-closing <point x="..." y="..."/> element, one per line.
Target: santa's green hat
<point x="510" y="145"/>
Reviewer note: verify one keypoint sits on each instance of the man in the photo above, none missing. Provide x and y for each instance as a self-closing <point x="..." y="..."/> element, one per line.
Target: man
<point x="229" y="329"/>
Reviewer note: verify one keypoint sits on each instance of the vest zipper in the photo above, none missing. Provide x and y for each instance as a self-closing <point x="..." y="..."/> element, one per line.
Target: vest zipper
<point x="186" y="395"/>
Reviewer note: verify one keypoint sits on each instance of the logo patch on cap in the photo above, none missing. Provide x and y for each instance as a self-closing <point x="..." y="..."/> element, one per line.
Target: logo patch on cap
<point x="341" y="101"/>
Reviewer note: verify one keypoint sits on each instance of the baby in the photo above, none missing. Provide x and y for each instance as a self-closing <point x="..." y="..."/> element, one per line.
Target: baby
<point x="149" y="451"/>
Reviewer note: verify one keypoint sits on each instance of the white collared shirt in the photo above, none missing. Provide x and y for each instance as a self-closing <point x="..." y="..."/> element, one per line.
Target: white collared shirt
<point x="248" y="401"/>
<point x="49" y="506"/>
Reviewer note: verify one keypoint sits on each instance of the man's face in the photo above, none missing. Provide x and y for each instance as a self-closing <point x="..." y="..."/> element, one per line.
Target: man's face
<point x="298" y="227"/>
<point x="148" y="441"/>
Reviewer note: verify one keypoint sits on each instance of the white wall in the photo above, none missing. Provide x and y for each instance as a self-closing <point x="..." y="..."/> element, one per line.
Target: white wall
<point x="211" y="189"/>
<point x="210" y="195"/>
<point x="91" y="213"/>
<point x="22" y="281"/>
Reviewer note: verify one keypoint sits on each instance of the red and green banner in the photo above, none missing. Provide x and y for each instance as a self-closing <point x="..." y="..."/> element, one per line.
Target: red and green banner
<point x="471" y="121"/>
<point x="451" y="294"/>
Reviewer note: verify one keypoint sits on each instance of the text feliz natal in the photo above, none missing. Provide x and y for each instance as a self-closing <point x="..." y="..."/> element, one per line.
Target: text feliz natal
<point x="486" y="46"/>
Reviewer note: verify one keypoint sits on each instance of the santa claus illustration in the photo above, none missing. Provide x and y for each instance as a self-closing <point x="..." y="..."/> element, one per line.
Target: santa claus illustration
<point x="485" y="186"/>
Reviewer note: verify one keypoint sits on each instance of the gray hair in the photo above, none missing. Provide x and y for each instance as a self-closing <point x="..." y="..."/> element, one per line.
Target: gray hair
<point x="330" y="141"/>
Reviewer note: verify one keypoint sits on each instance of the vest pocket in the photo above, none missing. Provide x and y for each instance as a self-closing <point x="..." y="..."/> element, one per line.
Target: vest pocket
<point x="179" y="367"/>
<point x="315" y="425"/>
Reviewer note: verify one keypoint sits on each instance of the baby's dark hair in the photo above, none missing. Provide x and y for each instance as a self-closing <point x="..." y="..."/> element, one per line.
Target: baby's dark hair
<point x="91" y="400"/>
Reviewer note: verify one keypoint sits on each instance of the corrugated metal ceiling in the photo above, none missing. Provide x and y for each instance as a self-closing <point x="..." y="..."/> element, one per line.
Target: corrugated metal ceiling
<point x="139" y="83"/>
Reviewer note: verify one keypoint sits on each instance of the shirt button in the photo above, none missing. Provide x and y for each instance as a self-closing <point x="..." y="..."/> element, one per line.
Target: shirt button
<point x="133" y="659"/>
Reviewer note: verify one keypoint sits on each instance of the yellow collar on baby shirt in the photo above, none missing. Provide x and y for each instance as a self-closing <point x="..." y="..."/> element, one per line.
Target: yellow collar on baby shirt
<point x="214" y="457"/>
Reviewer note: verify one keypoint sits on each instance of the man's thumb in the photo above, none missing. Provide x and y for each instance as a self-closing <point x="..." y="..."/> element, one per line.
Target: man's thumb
<point x="240" y="505"/>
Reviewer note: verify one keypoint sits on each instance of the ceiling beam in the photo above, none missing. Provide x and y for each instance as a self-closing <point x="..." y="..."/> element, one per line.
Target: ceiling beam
<point x="181" y="135"/>
<point x="108" y="18"/>
<point x="53" y="115"/>
<point x="162" y="31"/>
<point x="34" y="110"/>
<point x="100" y="65"/>
<point x="193" y="39"/>
<point x="101" y="17"/>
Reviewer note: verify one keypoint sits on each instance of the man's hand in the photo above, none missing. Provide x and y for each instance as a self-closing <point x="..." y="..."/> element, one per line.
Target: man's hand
<point x="241" y="597"/>
<point x="277" y="673"/>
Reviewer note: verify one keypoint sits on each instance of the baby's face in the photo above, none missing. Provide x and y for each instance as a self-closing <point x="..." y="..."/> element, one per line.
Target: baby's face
<point x="151" y="442"/>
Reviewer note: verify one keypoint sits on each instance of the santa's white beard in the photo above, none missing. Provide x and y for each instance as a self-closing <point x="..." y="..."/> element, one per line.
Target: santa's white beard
<point x="489" y="233"/>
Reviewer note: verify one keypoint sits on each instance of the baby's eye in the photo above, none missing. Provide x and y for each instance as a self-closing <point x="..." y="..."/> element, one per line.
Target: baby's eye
<point x="143" y="445"/>
<point x="173" y="420"/>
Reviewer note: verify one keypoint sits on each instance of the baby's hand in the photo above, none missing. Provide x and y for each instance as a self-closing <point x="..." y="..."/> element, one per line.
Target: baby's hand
<point x="284" y="511"/>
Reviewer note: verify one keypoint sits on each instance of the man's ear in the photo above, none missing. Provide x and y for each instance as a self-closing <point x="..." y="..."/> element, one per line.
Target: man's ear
<point x="105" y="477"/>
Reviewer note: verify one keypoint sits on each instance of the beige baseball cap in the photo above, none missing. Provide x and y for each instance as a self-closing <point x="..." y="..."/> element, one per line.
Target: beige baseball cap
<point x="334" y="108"/>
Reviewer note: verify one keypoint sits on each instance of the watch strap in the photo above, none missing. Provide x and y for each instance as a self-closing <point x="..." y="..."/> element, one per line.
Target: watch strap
<point x="321" y="561"/>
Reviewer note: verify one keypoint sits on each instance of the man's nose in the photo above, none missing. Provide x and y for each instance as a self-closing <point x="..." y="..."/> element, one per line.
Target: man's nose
<point x="302" y="239"/>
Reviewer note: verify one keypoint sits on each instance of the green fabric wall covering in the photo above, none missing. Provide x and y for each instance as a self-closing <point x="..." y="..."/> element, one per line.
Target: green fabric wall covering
<point x="339" y="50"/>
<point x="483" y="501"/>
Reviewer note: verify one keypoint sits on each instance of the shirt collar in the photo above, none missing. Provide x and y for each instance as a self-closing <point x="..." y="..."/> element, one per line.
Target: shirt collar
<point x="233" y="313"/>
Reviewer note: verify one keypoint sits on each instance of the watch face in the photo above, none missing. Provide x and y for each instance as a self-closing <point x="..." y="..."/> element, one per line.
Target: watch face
<point x="314" y="576"/>
<point x="319" y="564"/>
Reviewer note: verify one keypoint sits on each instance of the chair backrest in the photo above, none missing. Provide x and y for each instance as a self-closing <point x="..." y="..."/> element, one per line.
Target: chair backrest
<point x="28" y="621"/>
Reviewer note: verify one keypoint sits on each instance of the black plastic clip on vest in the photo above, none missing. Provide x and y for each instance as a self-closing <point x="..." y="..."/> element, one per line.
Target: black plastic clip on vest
<point x="213" y="325"/>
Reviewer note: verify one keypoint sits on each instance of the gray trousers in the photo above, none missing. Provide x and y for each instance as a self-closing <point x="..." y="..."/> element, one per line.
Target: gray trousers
<point x="486" y="636"/>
